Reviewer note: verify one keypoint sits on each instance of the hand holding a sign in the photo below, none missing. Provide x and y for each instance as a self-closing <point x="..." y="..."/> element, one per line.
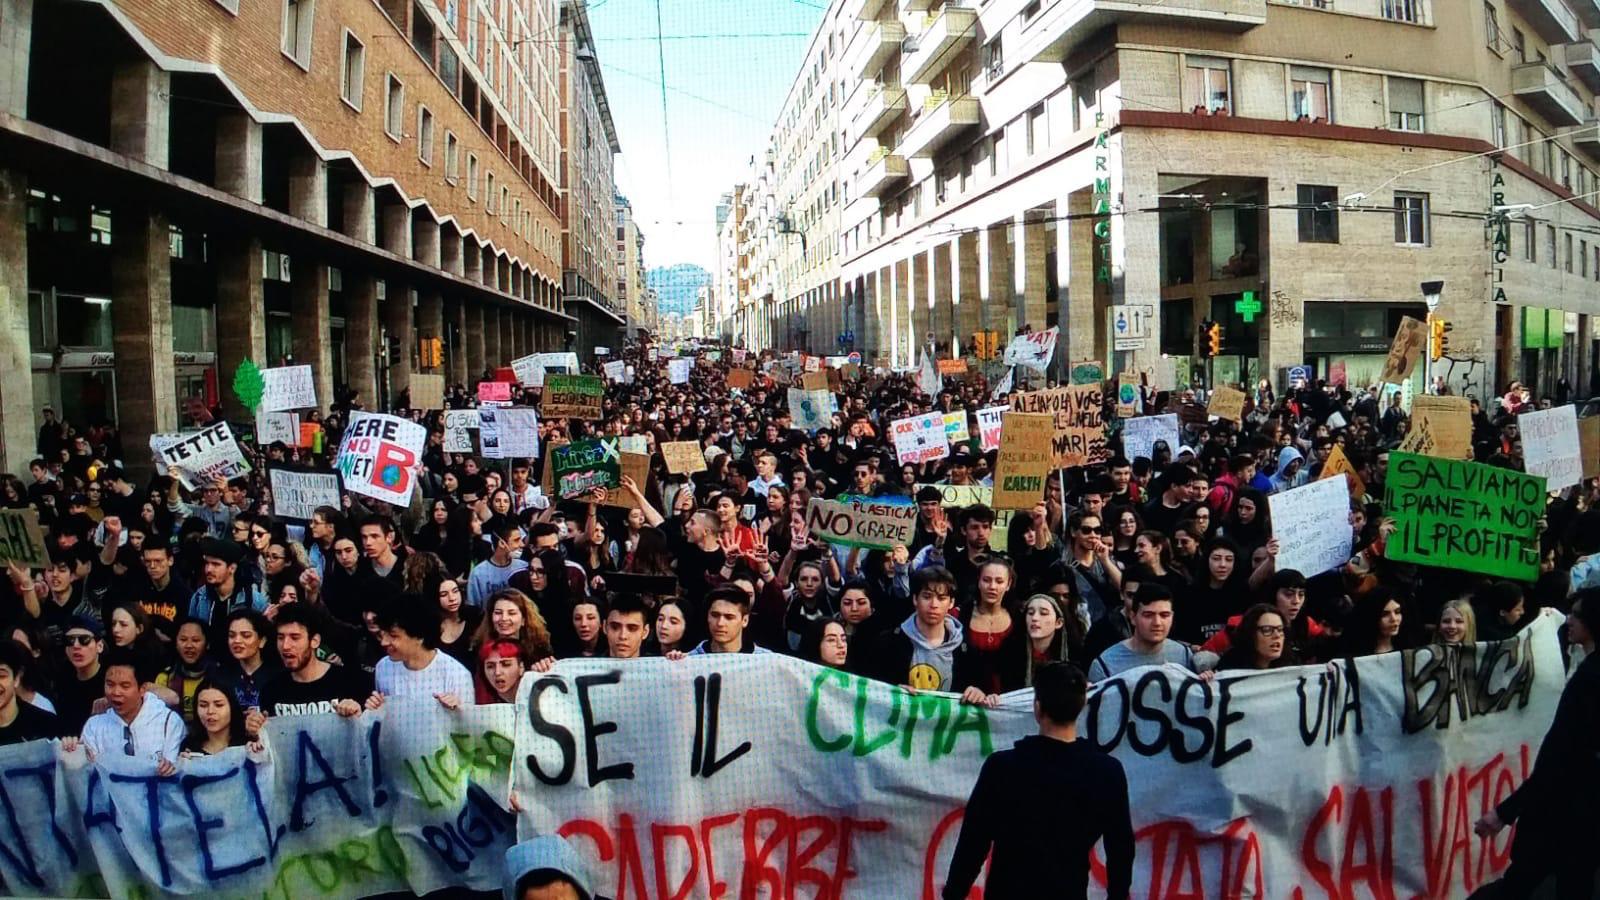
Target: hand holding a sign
<point x="1488" y="826"/>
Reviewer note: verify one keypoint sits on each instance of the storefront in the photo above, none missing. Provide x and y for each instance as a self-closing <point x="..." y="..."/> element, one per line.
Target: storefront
<point x="1347" y="342"/>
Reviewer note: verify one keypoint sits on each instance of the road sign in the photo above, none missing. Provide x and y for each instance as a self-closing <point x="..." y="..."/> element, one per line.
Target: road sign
<point x="1131" y="326"/>
<point x="1299" y="376"/>
<point x="854" y="358"/>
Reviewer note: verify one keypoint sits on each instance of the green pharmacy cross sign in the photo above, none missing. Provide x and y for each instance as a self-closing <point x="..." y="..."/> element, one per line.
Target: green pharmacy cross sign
<point x="1247" y="306"/>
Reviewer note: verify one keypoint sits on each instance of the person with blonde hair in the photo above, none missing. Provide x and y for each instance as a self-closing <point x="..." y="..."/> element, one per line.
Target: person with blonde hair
<point x="1457" y="625"/>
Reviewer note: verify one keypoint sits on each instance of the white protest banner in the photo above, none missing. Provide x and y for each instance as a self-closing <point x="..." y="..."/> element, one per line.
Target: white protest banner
<point x="810" y="409"/>
<point x="1550" y="446"/>
<point x="410" y="798"/>
<point x="201" y="456"/>
<point x="602" y="351"/>
<point x="869" y="522"/>
<point x="530" y="369"/>
<point x="21" y="539"/>
<point x="955" y="427"/>
<point x="920" y="438"/>
<point x="1366" y="773"/>
<point x="1005" y="384"/>
<point x="457" y="425"/>
<point x="377" y="455"/>
<point x="1033" y="349"/>
<point x="287" y="387"/>
<point x="989" y="422"/>
<point x="296" y="495"/>
<point x="616" y="371"/>
<point x="928" y="380"/>
<point x="1140" y="434"/>
<point x="508" y="432"/>
<point x="277" y="426"/>
<point x="1311" y="525"/>
<point x="678" y="370"/>
<point x="633" y="443"/>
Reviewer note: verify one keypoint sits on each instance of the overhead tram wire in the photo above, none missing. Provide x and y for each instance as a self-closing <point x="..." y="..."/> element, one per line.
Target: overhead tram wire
<point x="666" y="124"/>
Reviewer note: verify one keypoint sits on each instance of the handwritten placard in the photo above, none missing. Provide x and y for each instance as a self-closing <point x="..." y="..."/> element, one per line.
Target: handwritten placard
<point x="990" y="421"/>
<point x="287" y="387"/>
<point x="920" y="439"/>
<point x="494" y="392"/>
<point x="573" y="396"/>
<point x="1306" y="521"/>
<point x="683" y="457"/>
<point x="1440" y="426"/>
<point x="815" y="380"/>
<point x="1464" y="515"/>
<point x="1550" y="446"/>
<point x="201" y="456"/>
<point x="378" y="456"/>
<point x="296" y="494"/>
<point x="740" y="379"/>
<point x="1027" y="457"/>
<point x="1339" y="464"/>
<point x="1079" y="414"/>
<point x="1141" y="434"/>
<point x="862" y="521"/>
<point x="21" y="540"/>
<point x="1403" y="353"/>
<point x="458" y="427"/>
<point x="1227" y="403"/>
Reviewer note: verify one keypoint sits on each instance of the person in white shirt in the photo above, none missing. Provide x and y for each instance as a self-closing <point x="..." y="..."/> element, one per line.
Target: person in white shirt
<point x="137" y="724"/>
<point x="766" y="474"/>
<point x="408" y="629"/>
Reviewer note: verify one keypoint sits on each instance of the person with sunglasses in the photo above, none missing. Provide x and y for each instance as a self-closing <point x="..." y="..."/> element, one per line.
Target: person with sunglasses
<point x="1094" y="571"/>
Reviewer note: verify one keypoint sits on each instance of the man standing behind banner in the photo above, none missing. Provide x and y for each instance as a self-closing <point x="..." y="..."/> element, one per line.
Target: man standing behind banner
<point x="1078" y="793"/>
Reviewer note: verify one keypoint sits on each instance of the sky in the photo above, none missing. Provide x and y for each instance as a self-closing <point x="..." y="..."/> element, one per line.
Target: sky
<point x="729" y="64"/>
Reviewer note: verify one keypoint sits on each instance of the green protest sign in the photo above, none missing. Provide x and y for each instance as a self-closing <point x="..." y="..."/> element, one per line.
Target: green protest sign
<point x="582" y="466"/>
<point x="1464" y="515"/>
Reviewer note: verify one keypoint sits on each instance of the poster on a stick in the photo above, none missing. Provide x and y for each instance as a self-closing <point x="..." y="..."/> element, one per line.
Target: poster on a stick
<point x="1027" y="457"/>
<point x="868" y="522"/>
<point x="573" y="396"/>
<point x="379" y="454"/>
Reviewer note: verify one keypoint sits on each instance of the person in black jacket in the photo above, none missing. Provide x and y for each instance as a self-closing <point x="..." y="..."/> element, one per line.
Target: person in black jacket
<point x="1554" y="808"/>
<point x="926" y="651"/>
<point x="1052" y="770"/>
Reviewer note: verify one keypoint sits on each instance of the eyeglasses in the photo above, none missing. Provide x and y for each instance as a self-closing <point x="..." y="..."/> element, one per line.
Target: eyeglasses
<point x="80" y="640"/>
<point x="1269" y="630"/>
<point x="127" y="739"/>
<point x="258" y="534"/>
<point x="1093" y="529"/>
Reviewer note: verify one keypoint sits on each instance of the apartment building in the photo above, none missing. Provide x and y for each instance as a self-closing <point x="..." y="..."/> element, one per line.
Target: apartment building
<point x="1293" y="171"/>
<point x="588" y="183"/>
<point x="188" y="184"/>
<point x="633" y="293"/>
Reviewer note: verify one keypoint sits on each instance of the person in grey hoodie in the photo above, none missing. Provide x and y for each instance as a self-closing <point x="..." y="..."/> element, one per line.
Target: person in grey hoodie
<point x="926" y="652"/>
<point x="1291" y="470"/>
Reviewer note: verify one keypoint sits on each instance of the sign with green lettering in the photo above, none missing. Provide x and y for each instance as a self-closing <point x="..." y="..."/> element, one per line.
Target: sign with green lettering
<point x="1464" y="515"/>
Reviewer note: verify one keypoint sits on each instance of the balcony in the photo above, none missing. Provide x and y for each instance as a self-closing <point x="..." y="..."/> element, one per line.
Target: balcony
<point x="1551" y="20"/>
<point x="1583" y="58"/>
<point x="1542" y="87"/>
<point x="883" y="105"/>
<point x="882" y="41"/>
<point x="1588" y="137"/>
<point x="1064" y="23"/>
<point x="953" y="28"/>
<point x="941" y="120"/>
<point x="869" y="10"/>
<point x="911" y="6"/>
<point x="883" y="170"/>
<point x="1588" y="12"/>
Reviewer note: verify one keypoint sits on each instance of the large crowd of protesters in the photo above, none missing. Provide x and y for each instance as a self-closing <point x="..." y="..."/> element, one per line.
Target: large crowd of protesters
<point x="172" y="622"/>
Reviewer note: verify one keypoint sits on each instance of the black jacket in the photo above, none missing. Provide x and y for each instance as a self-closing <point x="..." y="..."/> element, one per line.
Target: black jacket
<point x="890" y="661"/>
<point x="1041" y="806"/>
<point x="1554" y="807"/>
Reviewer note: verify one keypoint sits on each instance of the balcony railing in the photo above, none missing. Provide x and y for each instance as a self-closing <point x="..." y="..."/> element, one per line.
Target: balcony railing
<point x="1583" y="58"/>
<point x="1550" y="19"/>
<point x="1544" y="87"/>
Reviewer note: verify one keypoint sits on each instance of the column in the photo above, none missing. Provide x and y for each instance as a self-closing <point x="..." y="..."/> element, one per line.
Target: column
<point x="140" y="112"/>
<point x="16" y="44"/>
<point x="241" y="315"/>
<point x="425" y="242"/>
<point x="430" y="320"/>
<point x="450" y="251"/>
<point x="396" y="229"/>
<point x="491" y="338"/>
<point x="141" y="329"/>
<point x="1085" y="317"/>
<point x="964" y="297"/>
<point x="308" y="187"/>
<point x="359" y="218"/>
<point x="238" y="155"/>
<point x="508" y="344"/>
<point x="361" y="335"/>
<point x="308" y="313"/>
<point x="939" y="303"/>
<point x="396" y="312"/>
<point x="472" y="261"/>
<point x="456" y="310"/>
<point x="1028" y="245"/>
<point x="872" y="340"/>
<point x="476" y="360"/>
<point x="894" y="314"/>
<point x="16" y="376"/>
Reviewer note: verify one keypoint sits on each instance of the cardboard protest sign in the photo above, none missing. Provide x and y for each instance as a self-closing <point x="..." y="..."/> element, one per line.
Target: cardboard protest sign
<point x="1440" y="426"/>
<point x="1027" y="457"/>
<point x="1080" y="430"/>
<point x="494" y="392"/>
<point x="678" y="370"/>
<point x="1087" y="371"/>
<point x="830" y="764"/>
<point x="1306" y="521"/>
<point x="1589" y="445"/>
<point x="955" y="427"/>
<point x="615" y="371"/>
<point x="21" y="540"/>
<point x="862" y="522"/>
<point x="1464" y="515"/>
<point x="633" y="443"/>
<point x="297" y="494"/>
<point x="1033" y="350"/>
<point x="378" y="454"/>
<point x="740" y="378"/>
<point x="508" y="432"/>
<point x="427" y="391"/>
<point x="989" y="421"/>
<point x="1339" y="464"/>
<point x="582" y="466"/>
<point x="637" y="467"/>
<point x="952" y="367"/>
<point x="287" y="387"/>
<point x="960" y="496"/>
<point x="1403" y="353"/>
<point x="277" y="426"/>
<point x="816" y="380"/>
<point x="919" y="439"/>
<point x="810" y="409"/>
<point x="1141" y="434"/>
<point x="458" y="427"/>
<point x="201" y="456"/>
<point x="1550" y="446"/>
<point x="1227" y="403"/>
<point x="573" y="396"/>
<point x="1128" y="396"/>
<point x="683" y="457"/>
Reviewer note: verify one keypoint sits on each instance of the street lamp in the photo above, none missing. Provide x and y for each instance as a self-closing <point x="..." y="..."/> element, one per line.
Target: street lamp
<point x="1431" y="290"/>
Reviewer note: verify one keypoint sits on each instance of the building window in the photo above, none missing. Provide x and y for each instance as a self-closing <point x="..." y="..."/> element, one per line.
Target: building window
<point x="1566" y="252"/>
<point x="1207" y="81"/>
<point x="452" y="158"/>
<point x="1550" y="245"/>
<point x="394" y="107"/>
<point x="1318" y="214"/>
<point x="488" y="192"/>
<point x="1037" y="138"/>
<point x="1583" y="259"/>
<point x="505" y="199"/>
<point x="994" y="59"/>
<point x="1596" y="268"/>
<point x="1311" y="90"/>
<point x="1405" y="104"/>
<point x="424" y="135"/>
<point x="1530" y="241"/>
<point x="1566" y="169"/>
<point x="297" y="20"/>
<point x="1491" y="25"/>
<point x="1410" y="219"/>
<point x="472" y="176"/>
<point x="1499" y="118"/>
<point x="1403" y="10"/>
<point x="1085" y="100"/>
<point x="351" y="70"/>
<point x="1519" y="44"/>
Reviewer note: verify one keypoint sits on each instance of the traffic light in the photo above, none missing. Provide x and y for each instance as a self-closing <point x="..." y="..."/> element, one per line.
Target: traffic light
<point x="391" y="349"/>
<point x="1438" y="343"/>
<point x="430" y="353"/>
<point x="1210" y="338"/>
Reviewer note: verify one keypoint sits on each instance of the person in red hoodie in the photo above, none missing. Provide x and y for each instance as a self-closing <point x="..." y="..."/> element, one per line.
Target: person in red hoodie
<point x="1303" y="634"/>
<point x="1241" y="469"/>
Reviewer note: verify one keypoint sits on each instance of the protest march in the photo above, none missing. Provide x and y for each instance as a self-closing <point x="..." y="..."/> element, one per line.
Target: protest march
<point x="721" y="622"/>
